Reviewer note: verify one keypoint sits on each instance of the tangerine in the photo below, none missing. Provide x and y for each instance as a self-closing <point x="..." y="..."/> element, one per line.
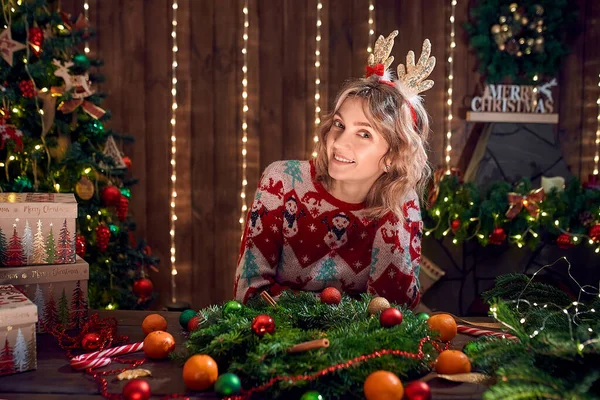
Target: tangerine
<point x="452" y="362"/>
<point x="444" y="324"/>
<point x="383" y="385"/>
<point x="158" y="345"/>
<point x="200" y="372"/>
<point x="154" y="322"/>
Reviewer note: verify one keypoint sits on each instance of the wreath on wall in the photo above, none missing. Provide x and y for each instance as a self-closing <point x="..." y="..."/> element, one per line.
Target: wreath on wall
<point x="520" y="41"/>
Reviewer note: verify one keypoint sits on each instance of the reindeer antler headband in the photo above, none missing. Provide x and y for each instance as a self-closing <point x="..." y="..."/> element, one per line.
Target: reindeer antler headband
<point x="412" y="80"/>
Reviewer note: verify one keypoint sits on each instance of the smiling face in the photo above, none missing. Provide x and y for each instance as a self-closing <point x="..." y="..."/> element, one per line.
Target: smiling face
<point x="341" y="222"/>
<point x="355" y="150"/>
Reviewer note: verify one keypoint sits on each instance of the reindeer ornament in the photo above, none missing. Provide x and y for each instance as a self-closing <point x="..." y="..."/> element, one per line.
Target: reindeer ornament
<point x="79" y="87"/>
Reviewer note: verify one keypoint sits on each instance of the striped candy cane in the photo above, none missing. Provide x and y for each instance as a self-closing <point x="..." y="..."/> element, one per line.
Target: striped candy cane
<point x="467" y="330"/>
<point x="99" y="359"/>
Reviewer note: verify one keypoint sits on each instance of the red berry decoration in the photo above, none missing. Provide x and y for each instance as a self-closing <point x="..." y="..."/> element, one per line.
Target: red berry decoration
<point x="331" y="295"/>
<point x="143" y="288"/>
<point x="91" y="342"/>
<point x="127" y="162"/>
<point x="417" y="390"/>
<point x="111" y="195"/>
<point x="102" y="237"/>
<point x="594" y="232"/>
<point x="455" y="225"/>
<point x="262" y="324"/>
<point x="498" y="236"/>
<point x="27" y="89"/>
<point x="36" y="38"/>
<point x="123" y="208"/>
<point x="80" y="245"/>
<point x="193" y="324"/>
<point x="137" y="389"/>
<point x="564" y="241"/>
<point x="390" y="317"/>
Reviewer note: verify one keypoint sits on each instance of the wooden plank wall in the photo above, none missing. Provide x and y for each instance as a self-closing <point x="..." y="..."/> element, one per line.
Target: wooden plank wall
<point x="134" y="42"/>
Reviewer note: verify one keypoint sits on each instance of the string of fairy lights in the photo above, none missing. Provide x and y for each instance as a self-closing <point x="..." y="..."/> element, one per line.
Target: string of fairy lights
<point x="371" y="26"/>
<point x="244" y="111"/>
<point x="86" y="14"/>
<point x="173" y="215"/>
<point x="597" y="153"/>
<point x="450" y="81"/>
<point x="317" y="73"/>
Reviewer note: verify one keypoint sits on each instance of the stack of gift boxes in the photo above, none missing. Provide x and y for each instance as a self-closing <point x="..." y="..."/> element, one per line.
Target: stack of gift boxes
<point x="41" y="277"/>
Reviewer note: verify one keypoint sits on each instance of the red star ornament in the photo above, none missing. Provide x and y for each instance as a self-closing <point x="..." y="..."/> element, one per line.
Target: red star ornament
<point x="8" y="46"/>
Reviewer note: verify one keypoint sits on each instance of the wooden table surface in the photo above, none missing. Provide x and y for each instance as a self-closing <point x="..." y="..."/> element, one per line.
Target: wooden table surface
<point x="54" y="379"/>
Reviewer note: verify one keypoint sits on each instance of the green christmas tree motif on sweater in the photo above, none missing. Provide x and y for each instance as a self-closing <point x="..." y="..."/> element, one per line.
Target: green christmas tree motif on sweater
<point x="374" y="260"/>
<point x="50" y="247"/>
<point x="292" y="168"/>
<point x="326" y="272"/>
<point x="250" y="269"/>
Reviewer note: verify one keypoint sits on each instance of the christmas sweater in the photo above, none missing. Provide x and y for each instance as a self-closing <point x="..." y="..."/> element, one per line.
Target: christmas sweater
<point x="300" y="237"/>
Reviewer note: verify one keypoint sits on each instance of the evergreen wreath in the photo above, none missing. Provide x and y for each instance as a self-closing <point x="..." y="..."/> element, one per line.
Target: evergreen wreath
<point x="523" y="41"/>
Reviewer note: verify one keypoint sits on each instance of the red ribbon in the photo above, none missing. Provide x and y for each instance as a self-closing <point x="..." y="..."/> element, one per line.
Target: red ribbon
<point x="378" y="70"/>
<point x="10" y="132"/>
<point x="517" y="202"/>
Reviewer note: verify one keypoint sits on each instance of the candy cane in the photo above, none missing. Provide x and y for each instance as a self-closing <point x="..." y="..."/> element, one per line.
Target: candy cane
<point x="467" y="330"/>
<point x="102" y="358"/>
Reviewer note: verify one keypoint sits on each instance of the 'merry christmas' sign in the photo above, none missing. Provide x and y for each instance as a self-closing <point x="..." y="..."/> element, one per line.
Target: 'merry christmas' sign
<point x="503" y="98"/>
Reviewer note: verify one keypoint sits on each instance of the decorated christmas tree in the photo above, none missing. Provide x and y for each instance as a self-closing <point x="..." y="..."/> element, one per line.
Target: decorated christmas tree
<point x="39" y="247"/>
<point x="54" y="139"/>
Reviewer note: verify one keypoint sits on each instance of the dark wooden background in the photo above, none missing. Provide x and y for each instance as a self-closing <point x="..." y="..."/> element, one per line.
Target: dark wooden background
<point x="135" y="43"/>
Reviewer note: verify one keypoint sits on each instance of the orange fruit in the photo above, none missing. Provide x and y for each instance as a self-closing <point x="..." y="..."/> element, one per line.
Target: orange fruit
<point x="158" y="345"/>
<point x="154" y="322"/>
<point x="383" y="385"/>
<point x="200" y="372"/>
<point x="444" y="324"/>
<point x="452" y="362"/>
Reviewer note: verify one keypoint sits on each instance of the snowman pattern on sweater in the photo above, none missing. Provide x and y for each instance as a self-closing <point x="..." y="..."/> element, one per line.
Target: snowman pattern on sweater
<point x="298" y="236"/>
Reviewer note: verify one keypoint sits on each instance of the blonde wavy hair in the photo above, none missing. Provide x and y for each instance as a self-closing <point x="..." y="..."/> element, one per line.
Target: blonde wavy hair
<point x="388" y="111"/>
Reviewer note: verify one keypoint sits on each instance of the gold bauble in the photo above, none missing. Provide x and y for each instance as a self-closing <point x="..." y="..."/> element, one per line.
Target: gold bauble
<point x="84" y="188"/>
<point x="377" y="305"/>
<point x="495" y="29"/>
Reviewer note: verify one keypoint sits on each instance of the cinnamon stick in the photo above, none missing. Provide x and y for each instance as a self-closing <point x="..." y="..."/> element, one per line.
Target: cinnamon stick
<point x="306" y="346"/>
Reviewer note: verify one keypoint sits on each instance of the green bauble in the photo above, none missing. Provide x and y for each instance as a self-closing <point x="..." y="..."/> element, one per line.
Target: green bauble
<point x="185" y="317"/>
<point x="228" y="384"/>
<point x="423" y="316"/>
<point x="126" y="192"/>
<point x="114" y="229"/>
<point x="22" y="184"/>
<point x="95" y="128"/>
<point x="231" y="307"/>
<point x="81" y="61"/>
<point x="312" y="395"/>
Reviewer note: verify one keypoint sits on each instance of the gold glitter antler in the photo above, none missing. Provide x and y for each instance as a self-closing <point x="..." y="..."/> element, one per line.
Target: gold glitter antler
<point x="414" y="75"/>
<point x="382" y="50"/>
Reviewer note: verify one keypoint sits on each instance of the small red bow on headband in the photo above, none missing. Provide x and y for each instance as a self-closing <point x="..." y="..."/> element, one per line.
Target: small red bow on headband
<point x="378" y="70"/>
<point x="517" y="202"/>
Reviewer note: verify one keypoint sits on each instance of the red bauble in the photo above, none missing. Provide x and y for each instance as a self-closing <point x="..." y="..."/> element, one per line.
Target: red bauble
<point x="27" y="89"/>
<point x="36" y="38"/>
<point x="148" y="250"/>
<point x="127" y="162"/>
<point x="417" y="390"/>
<point x="498" y="236"/>
<point x="143" y="288"/>
<point x="262" y="324"/>
<point x="594" y="232"/>
<point x="455" y="225"/>
<point x="111" y="195"/>
<point x="137" y="389"/>
<point x="80" y="245"/>
<point x="193" y="324"/>
<point x="564" y="241"/>
<point x="122" y="208"/>
<point x="331" y="295"/>
<point x="102" y="237"/>
<point x="91" y="342"/>
<point x="390" y="317"/>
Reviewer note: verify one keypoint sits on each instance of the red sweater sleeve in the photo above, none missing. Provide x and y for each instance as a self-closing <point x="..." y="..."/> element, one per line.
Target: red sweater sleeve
<point x="263" y="239"/>
<point x="396" y="257"/>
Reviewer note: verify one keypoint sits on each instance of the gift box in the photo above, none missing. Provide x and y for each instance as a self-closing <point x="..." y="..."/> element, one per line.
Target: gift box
<point x="18" y="316"/>
<point x="37" y="228"/>
<point x="59" y="291"/>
